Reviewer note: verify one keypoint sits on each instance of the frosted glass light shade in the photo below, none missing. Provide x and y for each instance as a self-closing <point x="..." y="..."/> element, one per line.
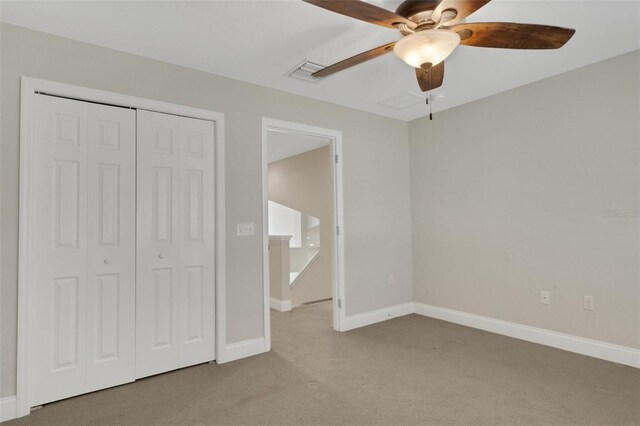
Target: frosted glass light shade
<point x="431" y="46"/>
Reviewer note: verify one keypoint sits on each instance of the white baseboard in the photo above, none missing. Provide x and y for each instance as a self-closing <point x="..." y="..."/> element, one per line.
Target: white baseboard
<point x="594" y="348"/>
<point x="243" y="349"/>
<point x="8" y="408"/>
<point x="378" y="315"/>
<point x="281" y="305"/>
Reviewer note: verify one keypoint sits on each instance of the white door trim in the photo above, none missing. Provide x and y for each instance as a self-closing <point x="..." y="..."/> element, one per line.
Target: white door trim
<point x="338" y="290"/>
<point x="29" y="87"/>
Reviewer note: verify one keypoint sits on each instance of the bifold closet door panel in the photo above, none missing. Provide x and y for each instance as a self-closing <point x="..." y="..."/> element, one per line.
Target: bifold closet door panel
<point x="175" y="247"/>
<point x="157" y="249"/>
<point x="81" y="307"/>
<point x="111" y="266"/>
<point x="58" y="294"/>
<point x="197" y="241"/>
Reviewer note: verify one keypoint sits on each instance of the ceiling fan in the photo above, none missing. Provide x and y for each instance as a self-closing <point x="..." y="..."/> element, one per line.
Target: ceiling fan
<point x="432" y="29"/>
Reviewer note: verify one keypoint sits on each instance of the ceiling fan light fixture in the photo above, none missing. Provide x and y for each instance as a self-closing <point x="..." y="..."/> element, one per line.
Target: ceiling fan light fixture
<point x="424" y="47"/>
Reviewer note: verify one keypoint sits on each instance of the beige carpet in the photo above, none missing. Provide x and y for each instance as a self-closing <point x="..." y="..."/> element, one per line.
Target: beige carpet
<point x="410" y="370"/>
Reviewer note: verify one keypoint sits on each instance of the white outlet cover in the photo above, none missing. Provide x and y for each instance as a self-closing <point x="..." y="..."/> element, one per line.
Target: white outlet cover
<point x="589" y="303"/>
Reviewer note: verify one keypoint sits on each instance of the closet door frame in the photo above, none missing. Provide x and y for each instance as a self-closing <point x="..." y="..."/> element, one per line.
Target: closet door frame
<point x="30" y="87"/>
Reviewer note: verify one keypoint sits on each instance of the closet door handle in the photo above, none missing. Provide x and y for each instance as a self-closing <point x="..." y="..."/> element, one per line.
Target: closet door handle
<point x="160" y="256"/>
<point x="107" y="260"/>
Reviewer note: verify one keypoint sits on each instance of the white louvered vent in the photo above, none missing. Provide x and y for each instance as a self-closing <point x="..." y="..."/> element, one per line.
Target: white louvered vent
<point x="304" y="70"/>
<point x="403" y="101"/>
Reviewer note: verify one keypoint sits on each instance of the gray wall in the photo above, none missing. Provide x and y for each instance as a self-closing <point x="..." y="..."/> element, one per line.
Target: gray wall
<point x="376" y="173"/>
<point x="510" y="196"/>
<point x="303" y="182"/>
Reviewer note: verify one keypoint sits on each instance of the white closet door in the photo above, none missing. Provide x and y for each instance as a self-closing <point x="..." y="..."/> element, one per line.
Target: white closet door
<point x="175" y="249"/>
<point x="81" y="308"/>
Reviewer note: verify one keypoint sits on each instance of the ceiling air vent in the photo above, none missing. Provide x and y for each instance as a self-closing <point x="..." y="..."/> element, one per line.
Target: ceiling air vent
<point x="403" y="101"/>
<point x="304" y="70"/>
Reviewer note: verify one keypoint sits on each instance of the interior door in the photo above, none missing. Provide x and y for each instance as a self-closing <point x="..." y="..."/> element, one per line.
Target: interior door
<point x="82" y="309"/>
<point x="175" y="243"/>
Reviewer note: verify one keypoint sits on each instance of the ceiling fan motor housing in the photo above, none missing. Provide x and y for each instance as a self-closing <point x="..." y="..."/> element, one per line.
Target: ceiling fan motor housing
<point x="410" y="8"/>
<point x="421" y="11"/>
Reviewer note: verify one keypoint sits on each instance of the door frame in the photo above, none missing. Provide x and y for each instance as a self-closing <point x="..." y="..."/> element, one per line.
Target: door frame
<point x="338" y="276"/>
<point x="30" y="87"/>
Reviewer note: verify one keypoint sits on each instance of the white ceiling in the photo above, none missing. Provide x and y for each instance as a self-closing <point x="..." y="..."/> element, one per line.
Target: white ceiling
<point x="260" y="41"/>
<point x="281" y="145"/>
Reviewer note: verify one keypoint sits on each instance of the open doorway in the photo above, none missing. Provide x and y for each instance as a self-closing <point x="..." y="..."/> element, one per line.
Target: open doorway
<point x="302" y="218"/>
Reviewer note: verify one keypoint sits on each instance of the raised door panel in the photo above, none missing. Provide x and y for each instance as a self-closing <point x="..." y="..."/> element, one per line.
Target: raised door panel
<point x="109" y="205"/>
<point x="107" y="330"/>
<point x="162" y="204"/>
<point x="163" y="313"/>
<point x="65" y="338"/>
<point x="195" y="299"/>
<point x="111" y="246"/>
<point x="66" y="204"/>
<point x="157" y="292"/>
<point x="194" y="197"/>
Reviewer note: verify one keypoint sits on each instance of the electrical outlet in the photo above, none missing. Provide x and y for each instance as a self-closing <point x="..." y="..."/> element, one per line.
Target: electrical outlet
<point x="589" y="303"/>
<point x="245" y="229"/>
<point x="544" y="297"/>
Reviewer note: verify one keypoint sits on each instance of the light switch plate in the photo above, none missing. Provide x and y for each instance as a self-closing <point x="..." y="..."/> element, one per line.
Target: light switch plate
<point x="245" y="229"/>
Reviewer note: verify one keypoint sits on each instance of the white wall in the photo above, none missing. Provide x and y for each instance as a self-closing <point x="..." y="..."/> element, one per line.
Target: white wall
<point x="284" y="220"/>
<point x="376" y="176"/>
<point x="510" y="196"/>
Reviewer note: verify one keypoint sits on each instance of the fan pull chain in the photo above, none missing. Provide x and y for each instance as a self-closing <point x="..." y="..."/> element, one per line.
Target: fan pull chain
<point x="430" y="102"/>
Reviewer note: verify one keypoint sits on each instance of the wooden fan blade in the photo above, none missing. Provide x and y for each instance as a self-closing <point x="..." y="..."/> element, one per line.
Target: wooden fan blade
<point x="355" y="60"/>
<point x="463" y="8"/>
<point x="506" y="35"/>
<point x="363" y="11"/>
<point x="437" y="77"/>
